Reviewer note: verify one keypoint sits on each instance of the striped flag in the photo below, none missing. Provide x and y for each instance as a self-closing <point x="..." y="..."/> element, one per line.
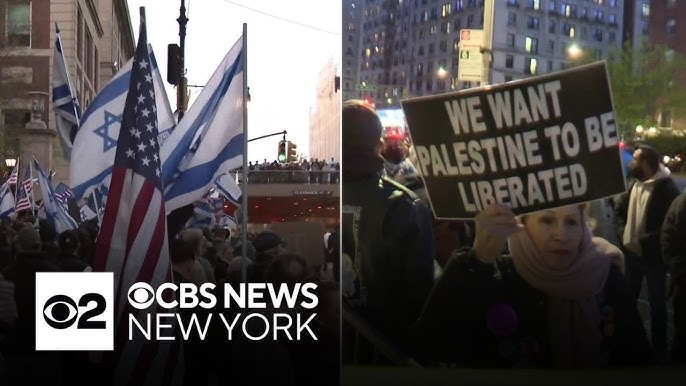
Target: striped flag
<point x="63" y="193"/>
<point x="210" y="139"/>
<point x="6" y="201"/>
<point x="12" y="180"/>
<point x="64" y="104"/>
<point x="24" y="191"/>
<point x="133" y="237"/>
<point x="96" y="140"/>
<point x="55" y="213"/>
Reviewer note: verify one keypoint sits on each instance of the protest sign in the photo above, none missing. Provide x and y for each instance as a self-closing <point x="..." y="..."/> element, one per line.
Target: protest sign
<point x="533" y="144"/>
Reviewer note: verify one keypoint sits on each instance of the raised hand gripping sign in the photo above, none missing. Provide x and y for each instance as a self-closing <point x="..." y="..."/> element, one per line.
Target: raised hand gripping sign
<point x="533" y="144"/>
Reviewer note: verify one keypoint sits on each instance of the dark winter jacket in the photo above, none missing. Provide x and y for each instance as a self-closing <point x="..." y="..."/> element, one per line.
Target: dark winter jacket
<point x="388" y="236"/>
<point x="454" y="327"/>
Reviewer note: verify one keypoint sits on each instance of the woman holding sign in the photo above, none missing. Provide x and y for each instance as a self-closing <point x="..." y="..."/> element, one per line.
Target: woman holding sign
<point x="559" y="300"/>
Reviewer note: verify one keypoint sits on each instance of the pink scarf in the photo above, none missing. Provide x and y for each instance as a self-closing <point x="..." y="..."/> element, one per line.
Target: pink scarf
<point x="574" y="319"/>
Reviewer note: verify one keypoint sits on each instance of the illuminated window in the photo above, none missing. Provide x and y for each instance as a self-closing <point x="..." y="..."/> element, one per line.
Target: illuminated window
<point x="445" y="10"/>
<point x="531" y="45"/>
<point x="531" y="66"/>
<point x="645" y="10"/>
<point x="671" y="26"/>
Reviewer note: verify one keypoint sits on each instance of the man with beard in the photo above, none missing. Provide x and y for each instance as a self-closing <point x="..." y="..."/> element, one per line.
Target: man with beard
<point x="639" y="214"/>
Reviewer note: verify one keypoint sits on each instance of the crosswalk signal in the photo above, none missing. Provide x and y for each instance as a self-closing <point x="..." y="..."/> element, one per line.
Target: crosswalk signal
<point x="291" y="153"/>
<point x="281" y="157"/>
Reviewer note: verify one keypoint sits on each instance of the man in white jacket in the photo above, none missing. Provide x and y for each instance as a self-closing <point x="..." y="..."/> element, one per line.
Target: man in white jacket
<point x="639" y="215"/>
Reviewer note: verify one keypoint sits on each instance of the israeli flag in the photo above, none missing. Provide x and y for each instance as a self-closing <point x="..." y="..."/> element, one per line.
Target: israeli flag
<point x="96" y="141"/>
<point x="6" y="201"/>
<point x="209" y="140"/>
<point x="54" y="212"/>
<point x="228" y="188"/>
<point x="64" y="104"/>
<point x="86" y="213"/>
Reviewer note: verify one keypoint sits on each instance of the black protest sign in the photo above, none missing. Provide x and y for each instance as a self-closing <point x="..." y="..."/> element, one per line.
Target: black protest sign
<point x="533" y="144"/>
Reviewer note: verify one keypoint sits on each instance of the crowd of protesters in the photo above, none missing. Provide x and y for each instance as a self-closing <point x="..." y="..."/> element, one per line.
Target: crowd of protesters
<point x="537" y="290"/>
<point x="315" y="171"/>
<point x="197" y="256"/>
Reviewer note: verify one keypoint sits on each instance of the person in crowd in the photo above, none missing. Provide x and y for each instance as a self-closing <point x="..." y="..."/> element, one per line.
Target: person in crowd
<point x="268" y="245"/>
<point x="673" y="242"/>
<point x="559" y="300"/>
<point x="391" y="244"/>
<point x="202" y="269"/>
<point x="394" y="152"/>
<point x="19" y="346"/>
<point x="8" y="316"/>
<point x="68" y="259"/>
<point x="639" y="214"/>
<point x="48" y="237"/>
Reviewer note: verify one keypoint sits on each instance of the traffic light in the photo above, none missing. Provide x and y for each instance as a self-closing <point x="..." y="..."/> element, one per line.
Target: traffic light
<point x="281" y="157"/>
<point x="173" y="63"/>
<point x="291" y="153"/>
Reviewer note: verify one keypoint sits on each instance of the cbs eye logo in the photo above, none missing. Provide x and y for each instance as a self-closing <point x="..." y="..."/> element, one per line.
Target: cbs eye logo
<point x="141" y="295"/>
<point x="77" y="310"/>
<point x="61" y="311"/>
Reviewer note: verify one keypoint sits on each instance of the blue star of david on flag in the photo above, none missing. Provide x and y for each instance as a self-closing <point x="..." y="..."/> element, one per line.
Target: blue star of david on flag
<point x="102" y="131"/>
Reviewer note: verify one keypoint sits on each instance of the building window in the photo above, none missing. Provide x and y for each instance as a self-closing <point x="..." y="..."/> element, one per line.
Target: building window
<point x="509" y="61"/>
<point x="551" y="6"/>
<point x="551" y="45"/>
<point x="508" y="78"/>
<point x="532" y="23"/>
<point x="612" y="18"/>
<point x="510" y="40"/>
<point x="611" y="36"/>
<point x="671" y="26"/>
<point x="511" y="18"/>
<point x="470" y="21"/>
<point x="531" y="45"/>
<point x="598" y="35"/>
<point x="550" y="66"/>
<point x="613" y="3"/>
<point x="445" y="10"/>
<point x="534" y="4"/>
<point x="457" y="25"/>
<point x="551" y="26"/>
<point x="531" y="66"/>
<point x="645" y="10"/>
<point x="456" y="44"/>
<point x="671" y="3"/>
<point x="18" y="24"/>
<point x="443" y="46"/>
<point x="598" y="15"/>
<point x="445" y="27"/>
<point x="644" y="27"/>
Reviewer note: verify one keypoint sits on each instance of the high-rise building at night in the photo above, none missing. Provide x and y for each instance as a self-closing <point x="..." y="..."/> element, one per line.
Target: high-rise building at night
<point x="410" y="47"/>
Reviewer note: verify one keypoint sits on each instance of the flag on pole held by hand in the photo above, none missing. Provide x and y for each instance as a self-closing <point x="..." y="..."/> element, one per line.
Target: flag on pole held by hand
<point x="96" y="141"/>
<point x="133" y="237"/>
<point x="64" y="104"/>
<point x="12" y="180"/>
<point x="209" y="140"/>
<point x="6" y="201"/>
<point x="55" y="214"/>
<point x="24" y="191"/>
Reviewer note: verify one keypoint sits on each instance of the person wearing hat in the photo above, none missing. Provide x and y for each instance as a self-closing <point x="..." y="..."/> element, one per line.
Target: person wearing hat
<point x="20" y="344"/>
<point x="267" y="245"/>
<point x="392" y="232"/>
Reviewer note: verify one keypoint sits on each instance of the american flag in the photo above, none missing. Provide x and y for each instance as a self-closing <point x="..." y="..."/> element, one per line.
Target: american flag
<point x="24" y="191"/>
<point x="63" y="193"/>
<point x="133" y="238"/>
<point x="12" y="180"/>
